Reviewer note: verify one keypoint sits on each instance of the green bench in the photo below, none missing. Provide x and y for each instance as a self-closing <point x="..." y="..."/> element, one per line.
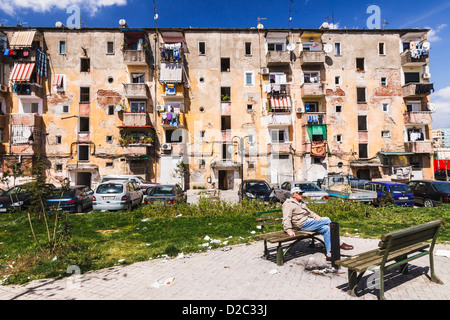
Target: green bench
<point x="395" y="249"/>
<point x="275" y="217"/>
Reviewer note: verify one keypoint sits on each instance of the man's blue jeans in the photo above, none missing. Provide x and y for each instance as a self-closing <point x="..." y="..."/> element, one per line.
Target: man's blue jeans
<point x="322" y="227"/>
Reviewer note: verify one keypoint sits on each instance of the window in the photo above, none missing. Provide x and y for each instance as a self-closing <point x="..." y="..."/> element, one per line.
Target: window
<point x="83" y="152"/>
<point x="412" y="106"/>
<point x="361" y="95"/>
<point x="58" y="139"/>
<point x="226" y="151"/>
<point x="202" y="134"/>
<point x="109" y="47"/>
<point x="248" y="48"/>
<point x="385" y="107"/>
<point x="84" y="94"/>
<point x="383" y="82"/>
<point x="109" y="139"/>
<point x="83" y="124"/>
<point x="385" y="134"/>
<point x="275" y="46"/>
<point x="137" y="78"/>
<point x="251" y="164"/>
<point x="412" y="77"/>
<point x="85" y="64"/>
<point x="62" y="47"/>
<point x="110" y="110"/>
<point x="339" y="139"/>
<point x="362" y="123"/>
<point x="337" y="49"/>
<point x="249" y="79"/>
<point x="201" y="164"/>
<point x="225" y="64"/>
<point x="381" y="49"/>
<point x="58" y="167"/>
<point x="109" y="164"/>
<point x="225" y="94"/>
<point x="278" y="136"/>
<point x="249" y="107"/>
<point x="225" y="123"/>
<point x="337" y="80"/>
<point x="363" y="151"/>
<point x="30" y="107"/>
<point x="360" y="64"/>
<point x="202" y="48"/>
<point x="338" y="108"/>
<point x="173" y="138"/>
<point x="311" y="107"/>
<point x="137" y="106"/>
<point x="311" y="77"/>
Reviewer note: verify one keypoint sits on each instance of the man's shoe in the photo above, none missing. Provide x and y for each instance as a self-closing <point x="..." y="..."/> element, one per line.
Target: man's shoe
<point x="328" y="258"/>
<point x="345" y="246"/>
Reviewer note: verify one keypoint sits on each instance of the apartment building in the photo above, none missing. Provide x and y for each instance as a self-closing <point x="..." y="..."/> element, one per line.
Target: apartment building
<point x="224" y="104"/>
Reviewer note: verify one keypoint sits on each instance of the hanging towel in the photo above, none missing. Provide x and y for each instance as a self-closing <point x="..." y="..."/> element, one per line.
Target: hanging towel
<point x="169" y="116"/>
<point x="41" y="63"/>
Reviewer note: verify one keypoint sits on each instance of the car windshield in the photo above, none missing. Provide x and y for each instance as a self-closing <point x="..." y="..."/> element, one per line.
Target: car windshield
<point x="400" y="188"/>
<point x="258" y="186"/>
<point x="16" y="190"/>
<point x="57" y="194"/>
<point x="442" y="187"/>
<point x="162" y="191"/>
<point x="110" y="188"/>
<point x="307" y="186"/>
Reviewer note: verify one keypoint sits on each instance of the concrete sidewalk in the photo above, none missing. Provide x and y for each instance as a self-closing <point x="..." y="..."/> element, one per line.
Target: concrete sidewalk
<point x="239" y="273"/>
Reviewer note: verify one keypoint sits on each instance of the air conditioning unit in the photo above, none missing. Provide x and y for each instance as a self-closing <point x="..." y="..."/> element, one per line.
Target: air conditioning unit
<point x="166" y="147"/>
<point x="3" y="88"/>
<point x="160" y="107"/>
<point x="264" y="70"/>
<point x="300" y="109"/>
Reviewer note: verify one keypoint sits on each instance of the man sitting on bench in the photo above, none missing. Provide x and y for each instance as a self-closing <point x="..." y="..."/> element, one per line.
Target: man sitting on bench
<point x="296" y="215"/>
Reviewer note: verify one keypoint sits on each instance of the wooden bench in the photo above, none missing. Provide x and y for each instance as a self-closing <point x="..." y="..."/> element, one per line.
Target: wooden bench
<point x="275" y="217"/>
<point x="394" y="248"/>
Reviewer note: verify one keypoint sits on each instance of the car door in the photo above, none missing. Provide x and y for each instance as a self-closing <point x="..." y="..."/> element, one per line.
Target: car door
<point x="286" y="191"/>
<point x="421" y="192"/>
<point x="88" y="196"/>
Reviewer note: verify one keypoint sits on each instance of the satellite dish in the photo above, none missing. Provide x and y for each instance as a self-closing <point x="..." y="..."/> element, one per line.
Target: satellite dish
<point x="431" y="107"/>
<point x="290" y="46"/>
<point x="328" y="48"/>
<point x="58" y="24"/>
<point x="426" y="45"/>
<point x="27" y="133"/>
<point x="122" y="22"/>
<point x="118" y="108"/>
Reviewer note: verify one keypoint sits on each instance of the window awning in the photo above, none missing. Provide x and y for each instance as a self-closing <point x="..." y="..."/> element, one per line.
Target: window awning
<point x="171" y="73"/>
<point x="22" y="39"/>
<point x="22" y="72"/>
<point x="58" y="80"/>
<point x="280" y="102"/>
<point x="397" y="153"/>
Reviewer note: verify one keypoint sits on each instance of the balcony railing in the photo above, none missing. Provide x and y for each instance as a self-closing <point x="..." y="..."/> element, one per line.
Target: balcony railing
<point x="417" y="89"/>
<point x="133" y="150"/>
<point x="418" y="117"/>
<point x="284" y="147"/>
<point x="277" y="120"/>
<point x="136" y="90"/>
<point x="278" y="58"/>
<point x="277" y="88"/>
<point x="313" y="118"/>
<point x="312" y="57"/>
<point x="409" y="59"/>
<point x="312" y="89"/>
<point x="135" y="57"/>
<point x="28" y="90"/>
<point x="135" y="119"/>
<point x="419" y="146"/>
<point x="26" y="119"/>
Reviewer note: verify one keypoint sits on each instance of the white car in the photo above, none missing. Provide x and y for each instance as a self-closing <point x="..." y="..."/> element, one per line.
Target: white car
<point x="312" y="191"/>
<point x="117" y="195"/>
<point x="139" y="181"/>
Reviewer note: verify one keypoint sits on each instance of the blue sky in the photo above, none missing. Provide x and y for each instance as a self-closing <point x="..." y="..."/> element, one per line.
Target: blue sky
<point x="245" y="13"/>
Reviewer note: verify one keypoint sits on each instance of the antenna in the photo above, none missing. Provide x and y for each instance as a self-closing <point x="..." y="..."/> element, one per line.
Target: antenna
<point x="333" y="25"/>
<point x="260" y="25"/>
<point x="385" y="23"/>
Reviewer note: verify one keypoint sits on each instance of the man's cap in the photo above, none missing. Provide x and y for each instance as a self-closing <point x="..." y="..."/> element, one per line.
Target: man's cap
<point x="297" y="190"/>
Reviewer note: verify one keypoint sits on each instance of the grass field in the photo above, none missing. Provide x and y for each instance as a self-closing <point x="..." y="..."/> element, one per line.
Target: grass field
<point x="99" y="240"/>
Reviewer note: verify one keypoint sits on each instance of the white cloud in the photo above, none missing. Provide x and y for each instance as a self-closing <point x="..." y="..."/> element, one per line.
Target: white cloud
<point x="441" y="98"/>
<point x="12" y="7"/>
<point x="433" y="33"/>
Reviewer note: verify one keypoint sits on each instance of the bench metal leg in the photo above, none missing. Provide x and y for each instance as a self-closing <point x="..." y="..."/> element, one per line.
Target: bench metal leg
<point x="266" y="251"/>
<point x="352" y="282"/>
<point x="280" y="255"/>
<point x="381" y="284"/>
<point x="434" y="277"/>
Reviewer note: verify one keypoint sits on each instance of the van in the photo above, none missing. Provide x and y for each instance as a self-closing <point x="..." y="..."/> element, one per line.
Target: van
<point x="402" y="193"/>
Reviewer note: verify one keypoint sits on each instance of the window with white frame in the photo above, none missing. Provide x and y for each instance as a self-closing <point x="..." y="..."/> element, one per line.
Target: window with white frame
<point x="31" y="107"/>
<point x="311" y="76"/>
<point x="249" y="79"/>
<point x="279" y="136"/>
<point x="137" y="106"/>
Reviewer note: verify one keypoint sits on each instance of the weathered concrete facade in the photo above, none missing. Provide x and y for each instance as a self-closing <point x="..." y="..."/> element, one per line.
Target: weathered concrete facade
<point x="229" y="103"/>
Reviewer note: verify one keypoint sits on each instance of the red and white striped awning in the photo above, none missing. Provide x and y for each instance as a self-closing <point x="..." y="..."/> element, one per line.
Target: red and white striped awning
<point x="22" y="72"/>
<point x="280" y="102"/>
<point x="58" y="80"/>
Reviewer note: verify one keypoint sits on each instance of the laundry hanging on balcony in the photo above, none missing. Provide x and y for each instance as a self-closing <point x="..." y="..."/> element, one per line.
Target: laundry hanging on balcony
<point x="41" y="63"/>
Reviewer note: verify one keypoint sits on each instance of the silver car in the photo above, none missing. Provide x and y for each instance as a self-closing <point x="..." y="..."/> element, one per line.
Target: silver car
<point x="312" y="191"/>
<point x="117" y="195"/>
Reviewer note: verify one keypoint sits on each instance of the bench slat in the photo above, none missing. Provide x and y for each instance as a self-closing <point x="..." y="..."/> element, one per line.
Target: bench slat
<point x="406" y="242"/>
<point x="411" y="230"/>
<point x="409" y="238"/>
<point x="282" y="236"/>
<point x="361" y="265"/>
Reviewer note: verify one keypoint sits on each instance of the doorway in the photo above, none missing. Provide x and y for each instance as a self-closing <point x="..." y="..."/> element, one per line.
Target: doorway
<point x="363" y="174"/>
<point x="84" y="178"/>
<point x="223" y="180"/>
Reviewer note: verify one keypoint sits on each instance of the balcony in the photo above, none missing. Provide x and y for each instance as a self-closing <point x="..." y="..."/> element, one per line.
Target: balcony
<point x="418" y="117"/>
<point x="277" y="88"/>
<point x="136" y="150"/>
<point x="279" y="120"/>
<point x="173" y="120"/>
<point x="136" y="90"/>
<point x="135" y="57"/>
<point x="26" y="119"/>
<point x="28" y="90"/>
<point x="417" y="90"/>
<point x="25" y="139"/>
<point x="312" y="57"/>
<point x="131" y="119"/>
<point x="278" y="58"/>
<point x="309" y="90"/>
<point x="419" y="146"/>
<point x="284" y="147"/>
<point x="409" y="60"/>
<point x="314" y="118"/>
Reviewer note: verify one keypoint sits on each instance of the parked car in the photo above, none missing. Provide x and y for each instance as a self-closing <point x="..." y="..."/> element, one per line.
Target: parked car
<point x="256" y="190"/>
<point x="75" y="200"/>
<point x="312" y="191"/>
<point x="430" y="193"/>
<point x="141" y="183"/>
<point x="164" y="194"/>
<point x="402" y="194"/>
<point x="117" y="195"/>
<point x="440" y="174"/>
<point x="19" y="197"/>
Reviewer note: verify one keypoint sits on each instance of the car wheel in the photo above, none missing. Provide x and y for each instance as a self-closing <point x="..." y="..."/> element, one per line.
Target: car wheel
<point x="428" y="203"/>
<point x="129" y="206"/>
<point x="79" y="208"/>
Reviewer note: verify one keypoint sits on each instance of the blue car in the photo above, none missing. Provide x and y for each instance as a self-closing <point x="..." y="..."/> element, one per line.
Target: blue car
<point x="402" y="193"/>
<point x="75" y="200"/>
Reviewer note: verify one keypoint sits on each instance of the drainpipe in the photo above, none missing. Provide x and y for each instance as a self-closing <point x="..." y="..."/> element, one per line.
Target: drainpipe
<point x="154" y="103"/>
